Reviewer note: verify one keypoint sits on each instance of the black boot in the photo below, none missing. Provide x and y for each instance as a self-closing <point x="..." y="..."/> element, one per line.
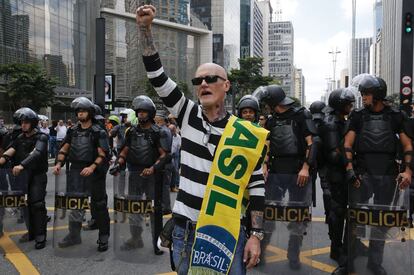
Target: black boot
<point x="136" y="239"/>
<point x="295" y="242"/>
<point x="40" y="242"/>
<point x="73" y="238"/>
<point x="26" y="238"/>
<point x="103" y="243"/>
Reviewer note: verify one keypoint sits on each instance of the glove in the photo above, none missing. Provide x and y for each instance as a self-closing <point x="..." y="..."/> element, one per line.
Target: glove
<point x="350" y="176"/>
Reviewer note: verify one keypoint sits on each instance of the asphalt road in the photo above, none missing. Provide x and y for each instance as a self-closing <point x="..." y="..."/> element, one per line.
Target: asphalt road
<point x="25" y="259"/>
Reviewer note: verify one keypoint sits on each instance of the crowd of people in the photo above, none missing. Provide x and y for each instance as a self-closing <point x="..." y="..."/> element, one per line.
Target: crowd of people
<point x="226" y="169"/>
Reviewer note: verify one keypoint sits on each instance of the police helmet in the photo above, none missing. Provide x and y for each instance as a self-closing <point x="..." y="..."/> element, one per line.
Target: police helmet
<point x="144" y="103"/>
<point x="316" y="109"/>
<point x="341" y="97"/>
<point x="370" y="85"/>
<point x="274" y="95"/>
<point x="248" y="101"/>
<point x="27" y="114"/>
<point x="83" y="103"/>
<point x="383" y="87"/>
<point x="98" y="110"/>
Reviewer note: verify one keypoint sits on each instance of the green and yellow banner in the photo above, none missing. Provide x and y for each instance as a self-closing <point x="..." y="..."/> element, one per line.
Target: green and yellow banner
<point x="218" y="225"/>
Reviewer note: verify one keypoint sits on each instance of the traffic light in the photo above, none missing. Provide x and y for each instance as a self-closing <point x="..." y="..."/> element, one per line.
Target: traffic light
<point x="408" y="23"/>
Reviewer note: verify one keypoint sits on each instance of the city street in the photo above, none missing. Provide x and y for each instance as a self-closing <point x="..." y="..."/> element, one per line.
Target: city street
<point x="25" y="259"/>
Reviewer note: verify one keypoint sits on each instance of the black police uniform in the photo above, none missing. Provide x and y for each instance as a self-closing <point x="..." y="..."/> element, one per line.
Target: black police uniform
<point x="376" y="147"/>
<point x="164" y="176"/>
<point x="143" y="145"/>
<point x="287" y="155"/>
<point x="317" y="111"/>
<point x="84" y="144"/>
<point x="332" y="132"/>
<point x="31" y="153"/>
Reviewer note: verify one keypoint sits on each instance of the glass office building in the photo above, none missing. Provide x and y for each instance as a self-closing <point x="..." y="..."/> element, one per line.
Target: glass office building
<point x="60" y="36"/>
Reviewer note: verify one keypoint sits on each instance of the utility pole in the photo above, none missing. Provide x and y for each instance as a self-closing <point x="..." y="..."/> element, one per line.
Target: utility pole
<point x="99" y="92"/>
<point x="334" y="54"/>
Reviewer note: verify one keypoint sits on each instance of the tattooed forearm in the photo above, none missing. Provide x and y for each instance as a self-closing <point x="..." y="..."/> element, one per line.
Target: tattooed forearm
<point x="257" y="219"/>
<point x="147" y="42"/>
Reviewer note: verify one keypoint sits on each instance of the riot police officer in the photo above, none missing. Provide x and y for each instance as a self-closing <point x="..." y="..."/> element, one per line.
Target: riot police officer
<point x="86" y="148"/>
<point x="332" y="131"/>
<point x="100" y="120"/>
<point x="29" y="153"/>
<point x="144" y="156"/>
<point x="371" y="150"/>
<point x="290" y="159"/>
<point x="317" y="111"/>
<point x="248" y="108"/>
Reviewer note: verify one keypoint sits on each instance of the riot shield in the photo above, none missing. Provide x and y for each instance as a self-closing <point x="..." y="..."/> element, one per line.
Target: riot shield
<point x="13" y="202"/>
<point x="72" y="204"/>
<point x="378" y="217"/>
<point x="133" y="217"/>
<point x="287" y="246"/>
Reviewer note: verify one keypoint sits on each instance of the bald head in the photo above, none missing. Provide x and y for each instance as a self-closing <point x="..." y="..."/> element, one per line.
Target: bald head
<point x="212" y="69"/>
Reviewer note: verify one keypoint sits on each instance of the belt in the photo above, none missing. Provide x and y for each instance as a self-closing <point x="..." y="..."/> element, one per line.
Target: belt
<point x="182" y="221"/>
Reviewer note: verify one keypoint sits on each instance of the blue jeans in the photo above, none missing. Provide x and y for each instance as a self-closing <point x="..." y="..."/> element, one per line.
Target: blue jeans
<point x="237" y="267"/>
<point x="53" y="146"/>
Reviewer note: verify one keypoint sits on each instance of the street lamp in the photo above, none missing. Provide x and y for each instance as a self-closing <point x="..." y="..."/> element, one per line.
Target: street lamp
<point x="334" y="56"/>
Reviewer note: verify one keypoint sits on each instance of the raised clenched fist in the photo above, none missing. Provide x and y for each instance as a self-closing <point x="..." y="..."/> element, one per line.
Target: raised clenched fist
<point x="145" y="15"/>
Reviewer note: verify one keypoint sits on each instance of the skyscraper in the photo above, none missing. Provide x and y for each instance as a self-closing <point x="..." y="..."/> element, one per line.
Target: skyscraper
<point x="245" y="27"/>
<point x="266" y="8"/>
<point x="300" y="86"/>
<point x="391" y="45"/>
<point x="375" y="50"/>
<point x="281" y="49"/>
<point x="360" y="58"/>
<point x="223" y="18"/>
<point x="257" y="42"/>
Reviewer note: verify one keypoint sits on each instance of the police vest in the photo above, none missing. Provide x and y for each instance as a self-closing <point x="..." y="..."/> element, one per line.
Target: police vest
<point x="143" y="150"/>
<point x="376" y="134"/>
<point x="26" y="146"/>
<point x="83" y="147"/>
<point x="285" y="139"/>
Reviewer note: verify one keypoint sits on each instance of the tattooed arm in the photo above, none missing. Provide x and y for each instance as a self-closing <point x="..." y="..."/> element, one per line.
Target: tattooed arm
<point x="257" y="220"/>
<point x="144" y="17"/>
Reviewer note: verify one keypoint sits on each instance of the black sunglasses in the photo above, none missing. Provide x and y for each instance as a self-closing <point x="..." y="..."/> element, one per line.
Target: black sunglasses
<point x="208" y="78"/>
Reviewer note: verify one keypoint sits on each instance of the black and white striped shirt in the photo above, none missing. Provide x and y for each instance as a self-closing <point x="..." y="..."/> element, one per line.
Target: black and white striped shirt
<point x="199" y="141"/>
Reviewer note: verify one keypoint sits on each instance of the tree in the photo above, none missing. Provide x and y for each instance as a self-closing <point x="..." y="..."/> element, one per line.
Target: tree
<point x="394" y="100"/>
<point x="246" y="79"/>
<point x="27" y="85"/>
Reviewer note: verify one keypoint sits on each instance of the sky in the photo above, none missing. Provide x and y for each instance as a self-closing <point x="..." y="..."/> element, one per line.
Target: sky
<point x="321" y="26"/>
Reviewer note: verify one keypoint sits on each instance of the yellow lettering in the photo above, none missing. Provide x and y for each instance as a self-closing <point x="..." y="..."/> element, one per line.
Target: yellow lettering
<point x="149" y="208"/>
<point x="270" y="213"/>
<point x="388" y="216"/>
<point x="362" y="217"/>
<point x="371" y="218"/>
<point x="85" y="204"/>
